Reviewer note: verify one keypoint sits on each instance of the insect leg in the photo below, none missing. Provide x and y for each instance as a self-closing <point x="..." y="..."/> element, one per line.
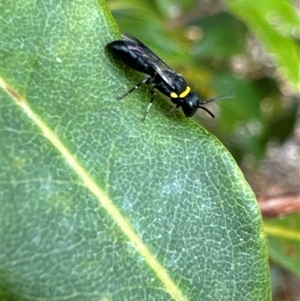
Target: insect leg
<point x="175" y="108"/>
<point x="146" y="80"/>
<point x="150" y="103"/>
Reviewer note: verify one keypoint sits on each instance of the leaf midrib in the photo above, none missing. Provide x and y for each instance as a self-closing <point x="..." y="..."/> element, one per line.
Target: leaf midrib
<point x="99" y="193"/>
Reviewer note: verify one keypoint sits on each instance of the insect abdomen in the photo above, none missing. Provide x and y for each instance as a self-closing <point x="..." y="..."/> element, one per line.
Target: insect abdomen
<point x="120" y="51"/>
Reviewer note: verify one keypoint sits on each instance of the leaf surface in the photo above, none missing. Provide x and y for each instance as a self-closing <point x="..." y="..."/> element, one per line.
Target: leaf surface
<point x="97" y="205"/>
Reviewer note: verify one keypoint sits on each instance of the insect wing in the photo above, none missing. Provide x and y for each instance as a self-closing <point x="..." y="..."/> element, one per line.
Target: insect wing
<point x="149" y="56"/>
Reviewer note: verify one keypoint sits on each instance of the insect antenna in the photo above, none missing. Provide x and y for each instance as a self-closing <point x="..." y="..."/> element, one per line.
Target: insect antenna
<point x="217" y="98"/>
<point x="213" y="99"/>
<point x="208" y="111"/>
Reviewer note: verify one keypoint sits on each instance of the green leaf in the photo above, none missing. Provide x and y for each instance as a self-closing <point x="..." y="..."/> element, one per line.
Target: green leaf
<point x="284" y="238"/>
<point x="97" y="205"/>
<point x="220" y="41"/>
<point x="274" y="22"/>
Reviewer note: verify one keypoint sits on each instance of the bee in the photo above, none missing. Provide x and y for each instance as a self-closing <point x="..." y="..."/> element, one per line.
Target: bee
<point x="133" y="53"/>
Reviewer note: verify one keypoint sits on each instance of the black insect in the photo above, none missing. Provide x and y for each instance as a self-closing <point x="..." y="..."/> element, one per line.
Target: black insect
<point x="139" y="57"/>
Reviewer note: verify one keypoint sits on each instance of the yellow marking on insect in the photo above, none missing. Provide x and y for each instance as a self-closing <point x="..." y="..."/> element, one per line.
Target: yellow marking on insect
<point x="186" y="92"/>
<point x="173" y="95"/>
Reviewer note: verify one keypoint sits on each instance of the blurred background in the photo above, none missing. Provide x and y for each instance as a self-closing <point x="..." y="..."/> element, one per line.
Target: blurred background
<point x="249" y="49"/>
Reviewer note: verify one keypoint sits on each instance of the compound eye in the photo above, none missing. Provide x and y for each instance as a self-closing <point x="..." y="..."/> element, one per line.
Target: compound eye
<point x="191" y="104"/>
<point x="189" y="109"/>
